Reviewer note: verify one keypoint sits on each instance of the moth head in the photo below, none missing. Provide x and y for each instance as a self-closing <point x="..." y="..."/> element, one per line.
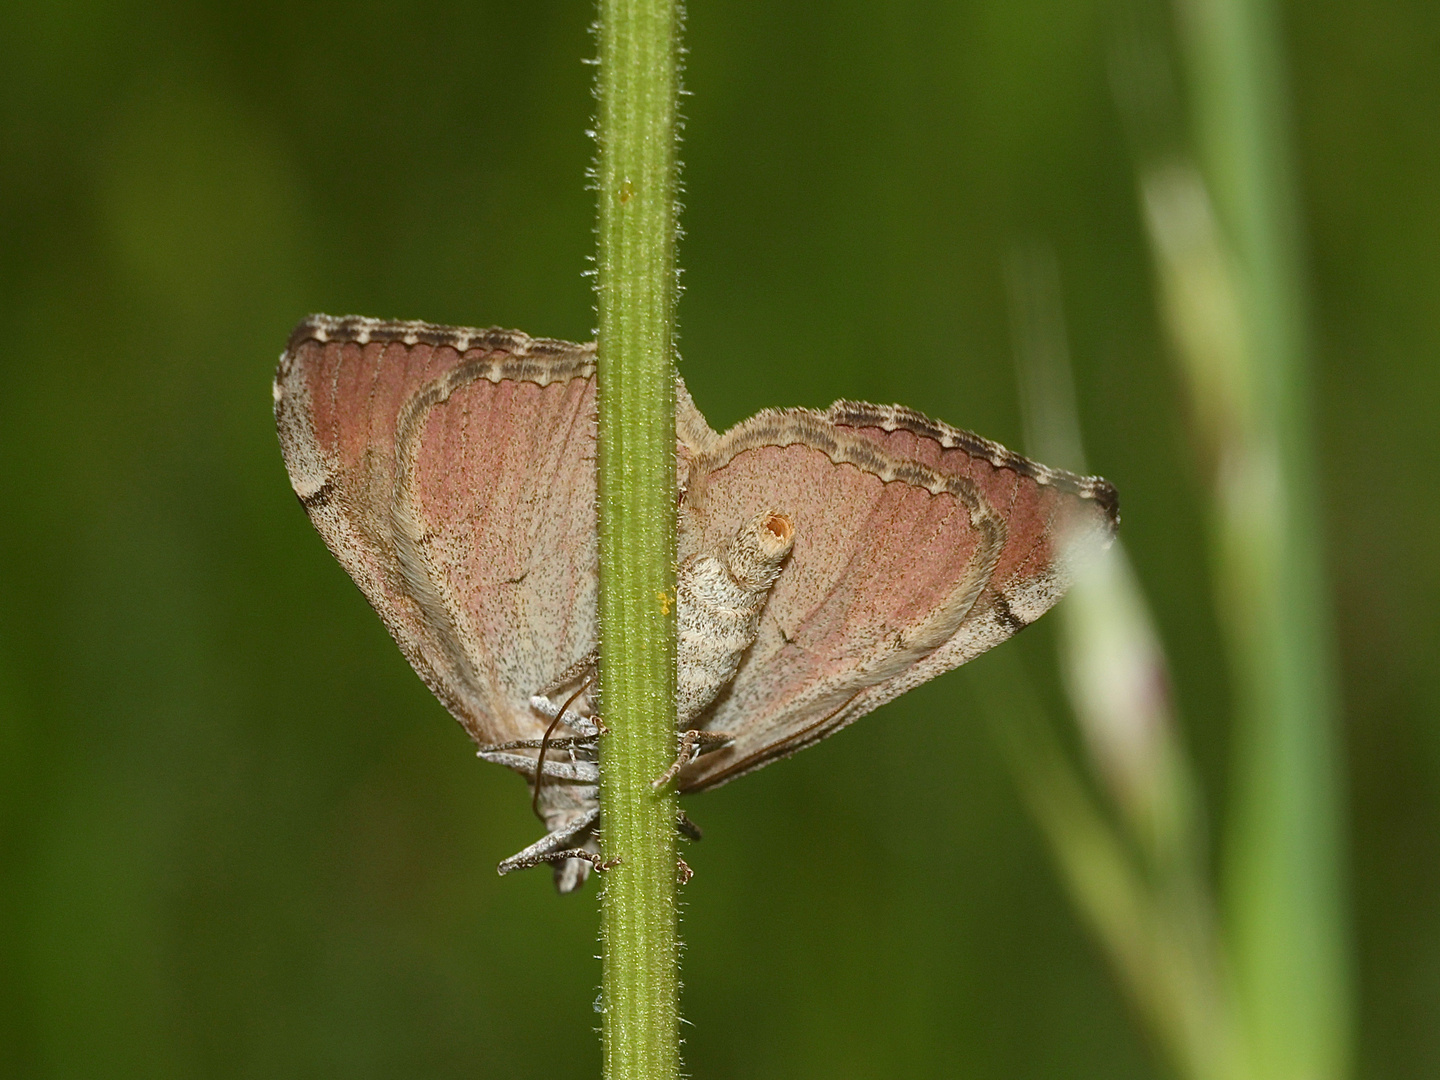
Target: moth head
<point x="759" y="548"/>
<point x="780" y="527"/>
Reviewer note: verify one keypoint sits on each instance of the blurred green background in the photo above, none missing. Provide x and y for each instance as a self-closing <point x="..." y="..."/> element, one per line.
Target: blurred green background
<point x="237" y="835"/>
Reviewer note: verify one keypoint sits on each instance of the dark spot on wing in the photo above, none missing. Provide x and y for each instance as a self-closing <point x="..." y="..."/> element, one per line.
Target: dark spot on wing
<point x="1007" y="618"/>
<point x="319" y="497"/>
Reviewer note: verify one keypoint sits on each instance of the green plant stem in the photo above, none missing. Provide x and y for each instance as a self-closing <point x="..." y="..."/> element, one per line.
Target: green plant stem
<point x="636" y="292"/>
<point x="1282" y="861"/>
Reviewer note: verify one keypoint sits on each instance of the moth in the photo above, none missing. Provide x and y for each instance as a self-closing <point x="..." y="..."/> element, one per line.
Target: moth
<point x="828" y="560"/>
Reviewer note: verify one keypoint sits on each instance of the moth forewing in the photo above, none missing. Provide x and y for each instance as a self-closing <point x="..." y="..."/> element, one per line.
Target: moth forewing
<point x="428" y="459"/>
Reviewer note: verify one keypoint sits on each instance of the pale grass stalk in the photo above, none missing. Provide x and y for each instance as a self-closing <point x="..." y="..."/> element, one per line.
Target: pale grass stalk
<point x="1135" y="865"/>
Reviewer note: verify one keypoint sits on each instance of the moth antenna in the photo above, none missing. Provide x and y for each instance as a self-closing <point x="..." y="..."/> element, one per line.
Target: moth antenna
<point x="545" y="744"/>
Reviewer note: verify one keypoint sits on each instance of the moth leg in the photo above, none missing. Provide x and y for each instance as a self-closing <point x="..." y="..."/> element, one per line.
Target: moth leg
<point x="556" y="846"/>
<point x="588" y="726"/>
<point x="685" y="827"/>
<point x="594" y="858"/>
<point x="573" y="871"/>
<point x="570" y="742"/>
<point x="580" y="770"/>
<point x="586" y="665"/>
<point x="692" y="745"/>
<point x="573" y="866"/>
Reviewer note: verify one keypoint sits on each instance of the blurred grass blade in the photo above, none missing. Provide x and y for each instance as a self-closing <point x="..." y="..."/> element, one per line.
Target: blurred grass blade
<point x="1158" y="938"/>
<point x="1227" y="257"/>
<point x="1116" y="672"/>
<point x="1142" y="886"/>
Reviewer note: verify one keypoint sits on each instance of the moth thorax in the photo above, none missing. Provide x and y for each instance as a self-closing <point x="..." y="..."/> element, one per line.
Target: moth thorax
<point x="719" y="599"/>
